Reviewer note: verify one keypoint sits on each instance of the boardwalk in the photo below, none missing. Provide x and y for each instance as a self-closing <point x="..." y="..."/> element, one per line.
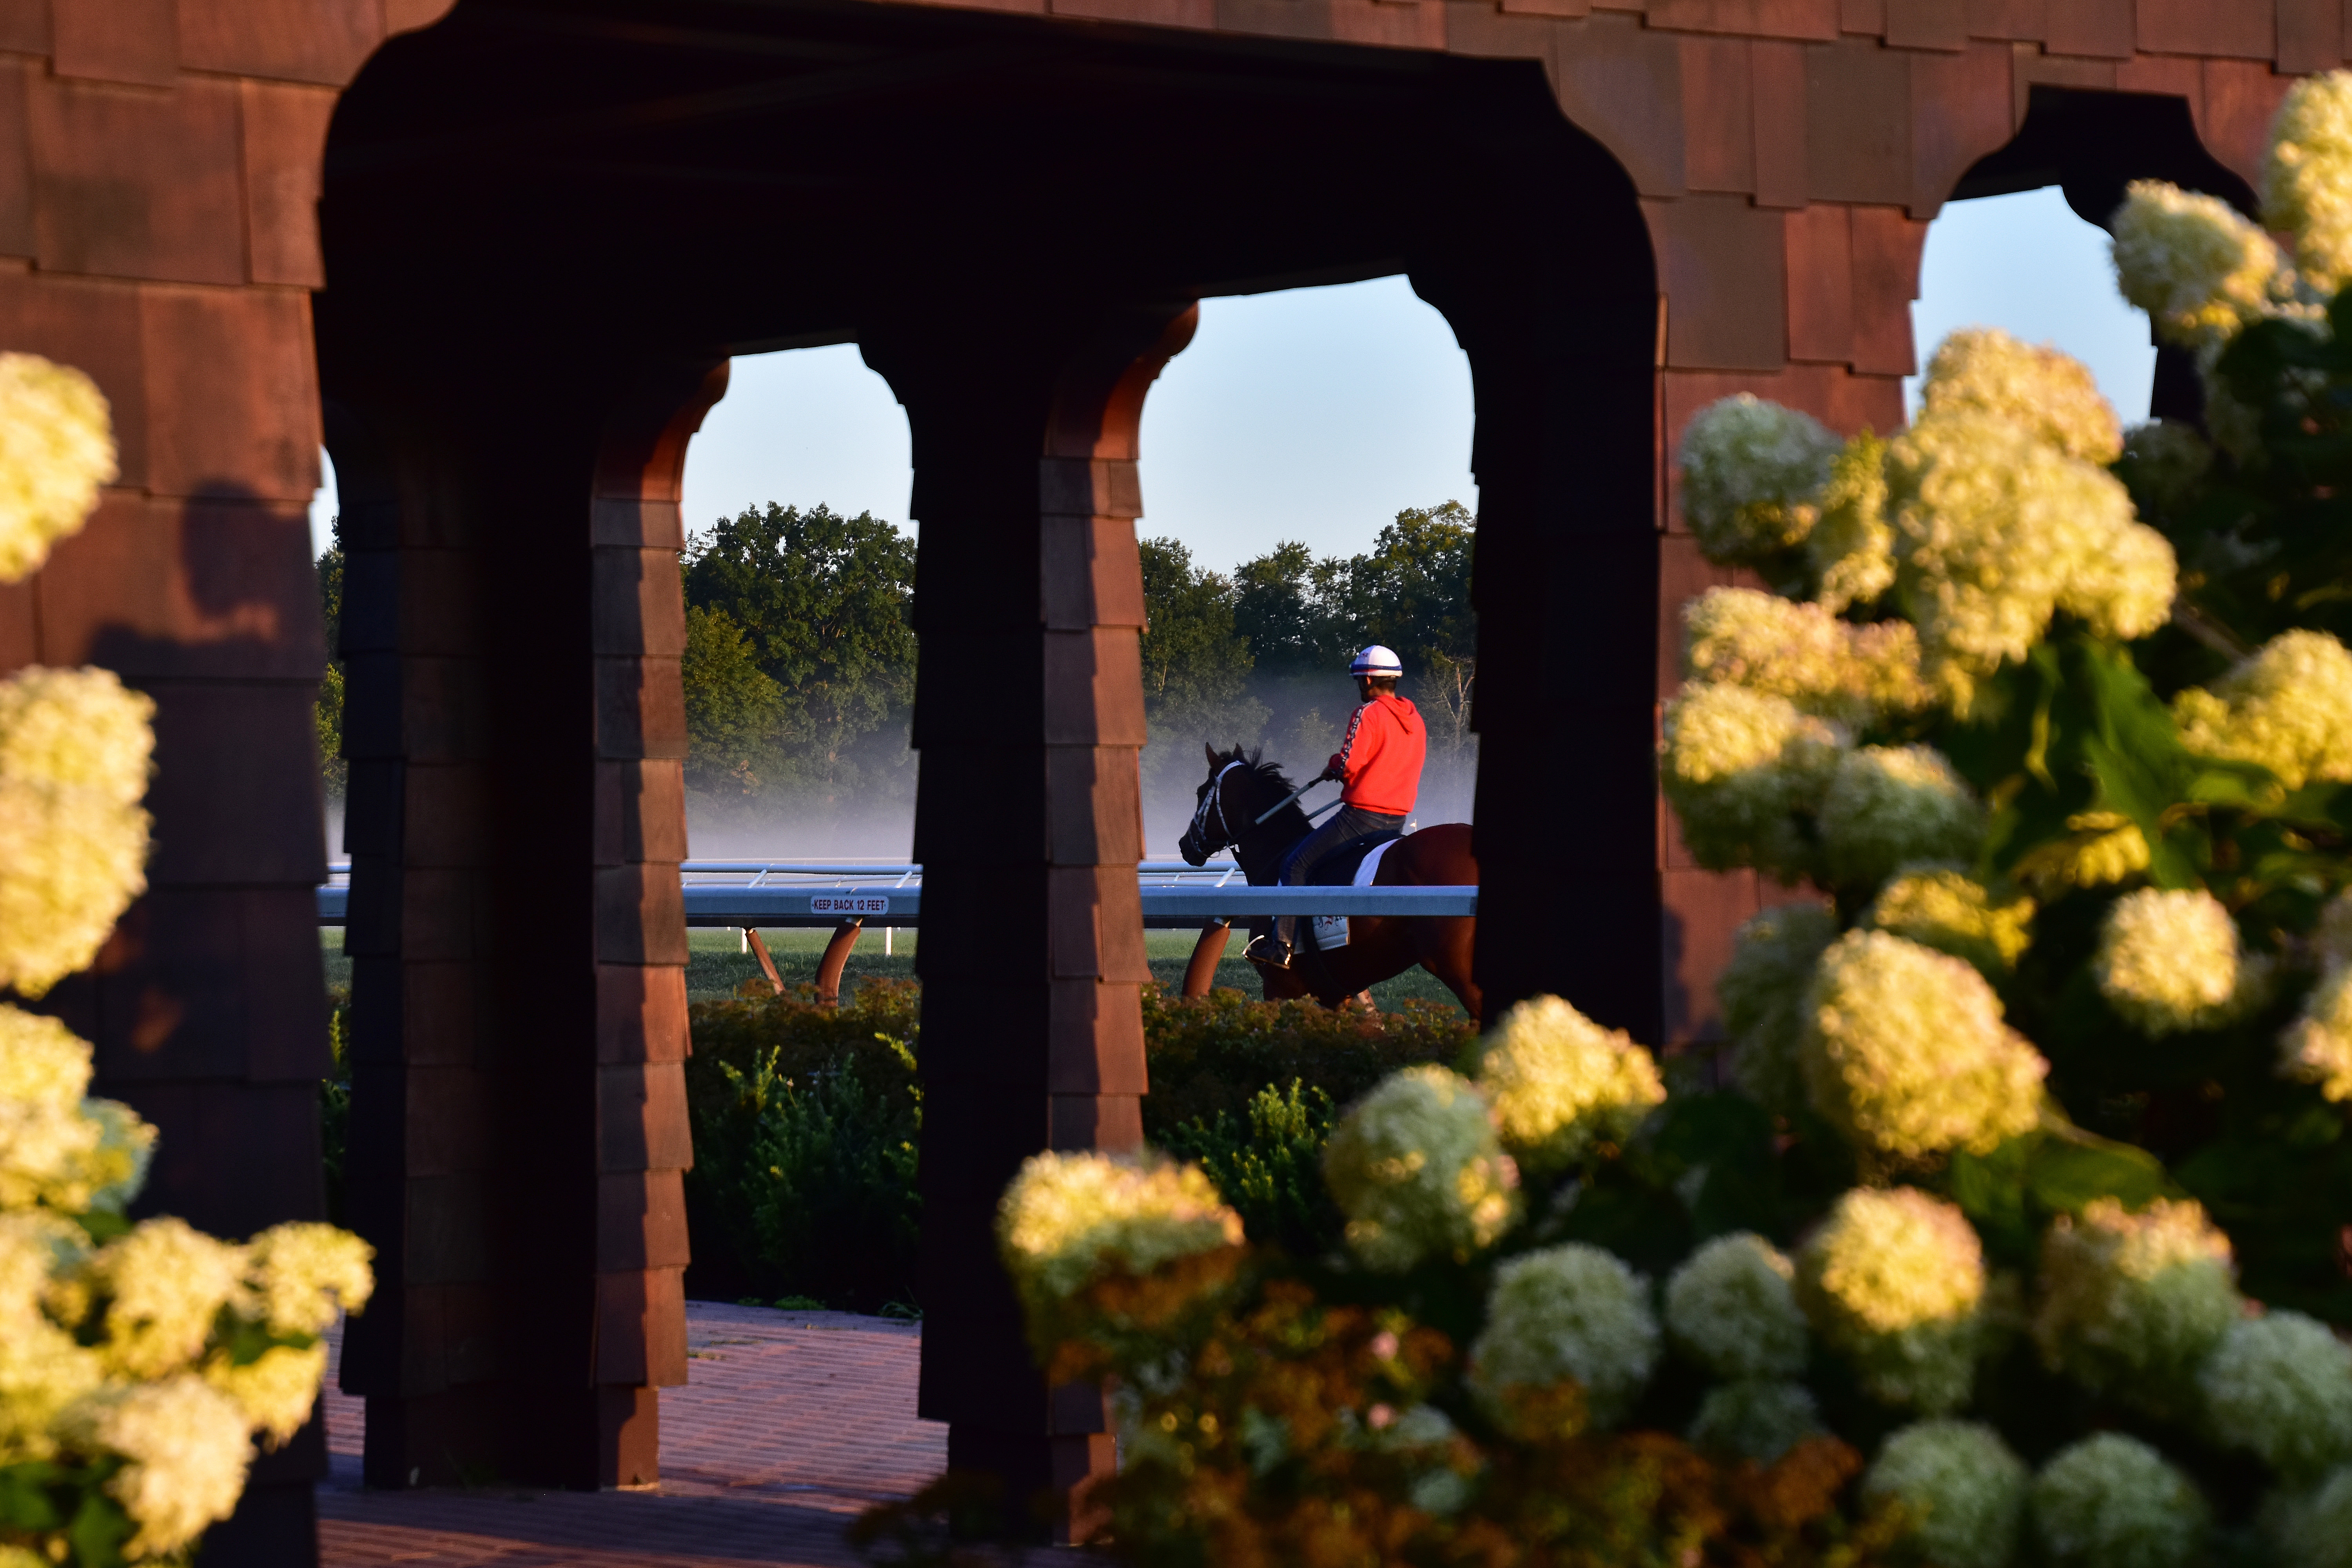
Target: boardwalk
<point x="791" y="1423"/>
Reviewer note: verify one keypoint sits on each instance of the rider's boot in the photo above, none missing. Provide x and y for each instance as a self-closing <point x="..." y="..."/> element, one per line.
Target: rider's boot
<point x="1270" y="951"/>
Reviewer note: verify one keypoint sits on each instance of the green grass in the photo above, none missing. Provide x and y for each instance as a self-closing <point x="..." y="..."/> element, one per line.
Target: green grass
<point x="716" y="964"/>
<point x="331" y="948"/>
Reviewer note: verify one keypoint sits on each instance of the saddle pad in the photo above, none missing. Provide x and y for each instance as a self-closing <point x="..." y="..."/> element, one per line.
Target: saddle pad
<point x="1331" y="931"/>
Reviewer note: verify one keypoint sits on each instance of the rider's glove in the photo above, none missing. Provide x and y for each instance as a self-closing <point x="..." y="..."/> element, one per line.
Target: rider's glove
<point x="1337" y="768"/>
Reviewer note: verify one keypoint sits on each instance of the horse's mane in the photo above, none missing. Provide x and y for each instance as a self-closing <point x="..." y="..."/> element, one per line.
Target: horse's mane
<point x="1268" y="773"/>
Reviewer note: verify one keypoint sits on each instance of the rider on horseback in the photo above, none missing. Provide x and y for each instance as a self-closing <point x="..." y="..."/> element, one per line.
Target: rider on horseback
<point x="1379" y="764"/>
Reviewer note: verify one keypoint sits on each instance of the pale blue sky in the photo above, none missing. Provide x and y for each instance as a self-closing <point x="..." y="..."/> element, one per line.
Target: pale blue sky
<point x="1317" y="413"/>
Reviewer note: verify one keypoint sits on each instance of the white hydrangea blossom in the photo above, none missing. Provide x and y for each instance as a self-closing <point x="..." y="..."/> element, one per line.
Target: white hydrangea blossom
<point x="2132" y="1301"/>
<point x="1732" y="1307"/>
<point x="163" y="1283"/>
<point x="2112" y="1501"/>
<point x="1759" y="1420"/>
<point x="74" y="748"/>
<point x="42" y="1369"/>
<point x="56" y="448"/>
<point x="1829" y="667"/>
<point x="2049" y="395"/>
<point x="44" y="1374"/>
<point x="2307" y="177"/>
<point x="2124" y="589"/>
<point x="1569" y="1312"/>
<point x="1995" y="529"/>
<point x="1069" y="1219"/>
<point x="2317" y="1046"/>
<point x="1945" y="909"/>
<point x="2170" y="960"/>
<point x="1416" y="1167"/>
<point x="2287" y="706"/>
<point x="1560" y="1085"/>
<point x="1889" y="806"/>
<point x="274" y="1393"/>
<point x="2202" y="272"/>
<point x="1738" y="765"/>
<point x="2279" y="1386"/>
<point x="1752" y="473"/>
<point x="1852" y="549"/>
<point x="188" y="1450"/>
<point x="1894" y="1280"/>
<point x="1762" y="993"/>
<point x="1960" y="1489"/>
<point x="58" y="1148"/>
<point x="304" y="1274"/>
<point x="1905" y="1053"/>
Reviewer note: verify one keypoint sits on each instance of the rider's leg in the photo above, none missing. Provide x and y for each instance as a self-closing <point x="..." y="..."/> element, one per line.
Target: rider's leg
<point x="1345" y="826"/>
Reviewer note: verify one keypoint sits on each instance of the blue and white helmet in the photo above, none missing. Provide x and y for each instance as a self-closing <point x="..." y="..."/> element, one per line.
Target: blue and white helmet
<point x="1377" y="661"/>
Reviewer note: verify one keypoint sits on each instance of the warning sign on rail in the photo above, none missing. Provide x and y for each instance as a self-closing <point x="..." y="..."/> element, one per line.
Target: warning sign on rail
<point x="850" y="904"/>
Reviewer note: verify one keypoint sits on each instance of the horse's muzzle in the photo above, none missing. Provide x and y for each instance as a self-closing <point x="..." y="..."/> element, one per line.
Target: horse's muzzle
<point x="1189" y="847"/>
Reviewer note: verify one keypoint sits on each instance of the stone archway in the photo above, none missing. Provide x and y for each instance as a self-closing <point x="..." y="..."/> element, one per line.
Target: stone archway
<point x="519" y="168"/>
<point x="1115" y="179"/>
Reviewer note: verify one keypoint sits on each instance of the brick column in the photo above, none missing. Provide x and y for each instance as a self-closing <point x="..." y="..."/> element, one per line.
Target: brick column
<point x="643" y="1143"/>
<point x="1029" y="716"/>
<point x="512" y="629"/>
<point x="1555" y="305"/>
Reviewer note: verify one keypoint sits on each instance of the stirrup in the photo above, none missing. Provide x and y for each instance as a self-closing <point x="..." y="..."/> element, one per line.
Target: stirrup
<point x="1270" y="951"/>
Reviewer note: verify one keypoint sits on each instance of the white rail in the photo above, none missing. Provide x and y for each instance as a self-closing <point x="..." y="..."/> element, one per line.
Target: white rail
<point x="769" y="894"/>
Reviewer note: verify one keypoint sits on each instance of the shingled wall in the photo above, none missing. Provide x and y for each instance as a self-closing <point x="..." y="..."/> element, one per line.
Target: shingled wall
<point x="158" y="167"/>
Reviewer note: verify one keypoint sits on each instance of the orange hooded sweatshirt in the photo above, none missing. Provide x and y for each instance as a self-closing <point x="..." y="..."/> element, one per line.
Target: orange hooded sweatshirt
<point x="1380" y="759"/>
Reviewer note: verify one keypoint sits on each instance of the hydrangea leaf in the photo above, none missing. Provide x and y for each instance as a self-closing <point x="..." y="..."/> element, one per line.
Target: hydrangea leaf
<point x="2068" y="1173"/>
<point x="1991" y="1190"/>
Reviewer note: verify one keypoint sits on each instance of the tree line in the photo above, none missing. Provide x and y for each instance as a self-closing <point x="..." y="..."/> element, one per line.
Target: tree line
<point x="799" y="668"/>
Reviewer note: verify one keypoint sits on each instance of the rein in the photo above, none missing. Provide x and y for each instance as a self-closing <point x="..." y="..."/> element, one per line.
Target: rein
<point x="1215" y="802"/>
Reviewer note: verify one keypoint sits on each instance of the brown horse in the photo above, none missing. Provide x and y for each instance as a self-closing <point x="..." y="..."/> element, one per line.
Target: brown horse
<point x="1239" y="789"/>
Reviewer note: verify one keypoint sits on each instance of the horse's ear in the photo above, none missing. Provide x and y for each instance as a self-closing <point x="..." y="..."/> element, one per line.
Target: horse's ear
<point x="1212" y="752"/>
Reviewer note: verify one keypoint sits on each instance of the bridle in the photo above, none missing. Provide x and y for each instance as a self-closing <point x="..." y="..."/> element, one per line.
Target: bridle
<point x="1214" y="800"/>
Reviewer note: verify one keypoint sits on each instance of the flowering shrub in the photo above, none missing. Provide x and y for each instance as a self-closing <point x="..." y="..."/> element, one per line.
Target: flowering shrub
<point x="2112" y="1501"/>
<point x="1904" y="1051"/>
<point x="1419" y="1172"/>
<point x="139" y="1363"/>
<point x="1894" y="1280"/>
<point x="1960" y="1490"/>
<point x="1561" y="1087"/>
<point x="57" y="447"/>
<point x="2134" y="1302"/>
<point x="1732" y="1307"/>
<point x="74" y="748"/>
<point x="1566" y="1315"/>
<point x="2017" y="1234"/>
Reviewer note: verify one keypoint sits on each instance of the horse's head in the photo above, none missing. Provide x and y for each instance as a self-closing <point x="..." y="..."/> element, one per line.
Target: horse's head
<point x="1212" y="829"/>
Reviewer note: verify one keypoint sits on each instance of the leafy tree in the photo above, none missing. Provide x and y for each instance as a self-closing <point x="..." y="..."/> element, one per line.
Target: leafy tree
<point x="1196" y="666"/>
<point x="334" y="771"/>
<point x="1194" y="661"/>
<point x="1302" y="615"/>
<point x="1411" y="592"/>
<point x="820" y="604"/>
<point x="1279" y="613"/>
<point x="734" y="711"/>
